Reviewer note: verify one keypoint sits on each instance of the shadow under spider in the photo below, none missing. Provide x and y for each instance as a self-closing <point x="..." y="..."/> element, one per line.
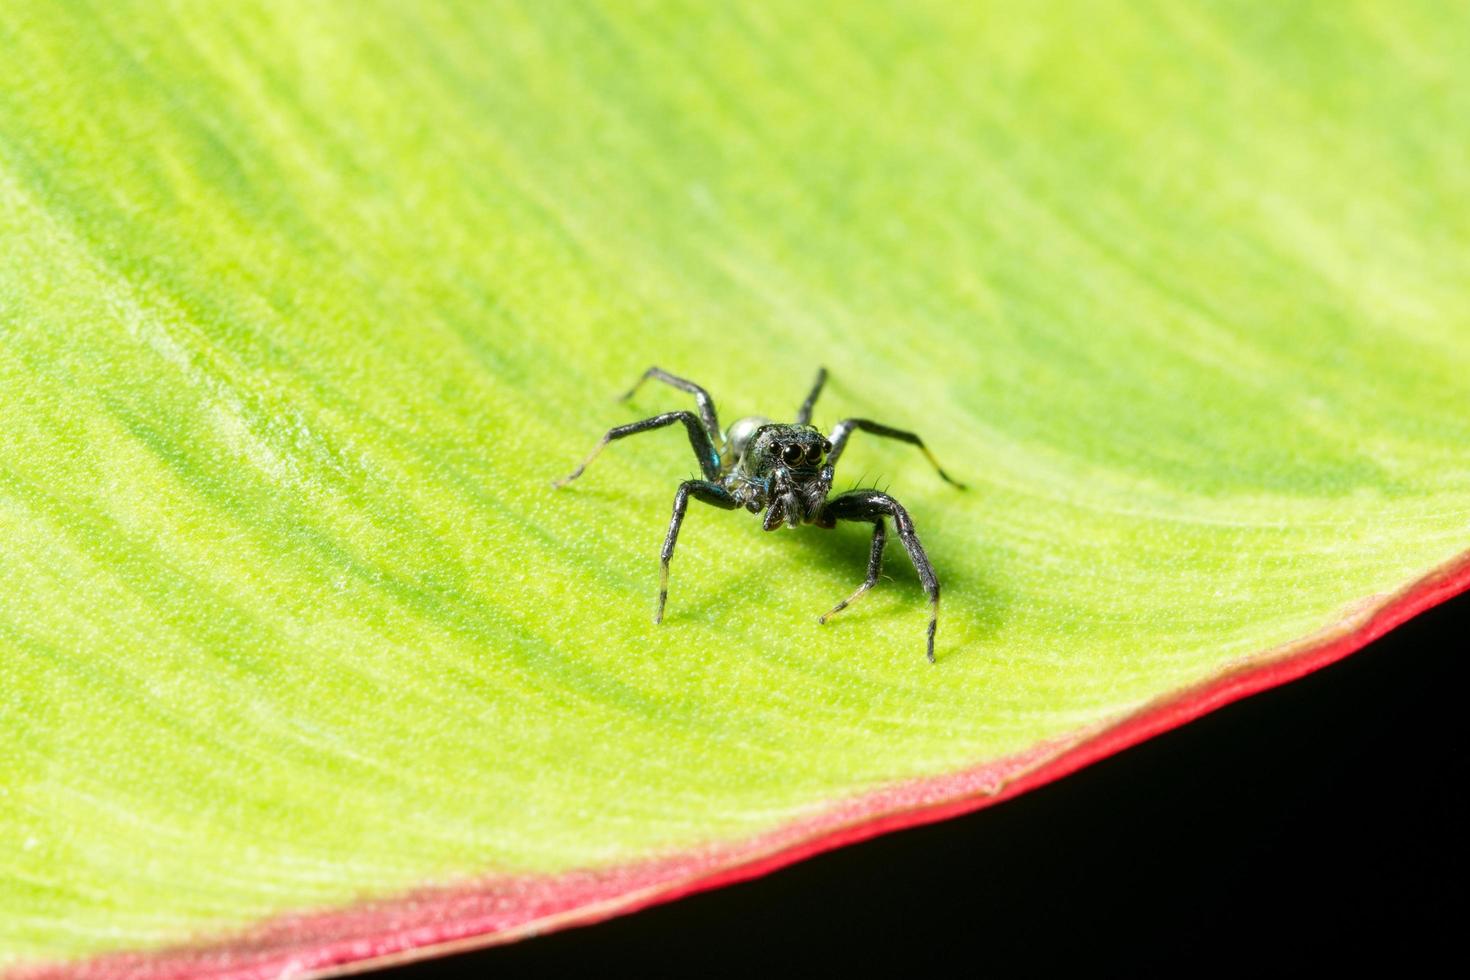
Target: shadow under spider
<point x="966" y="599"/>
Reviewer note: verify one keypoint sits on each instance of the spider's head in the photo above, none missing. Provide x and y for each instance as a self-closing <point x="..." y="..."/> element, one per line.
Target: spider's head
<point x="789" y="459"/>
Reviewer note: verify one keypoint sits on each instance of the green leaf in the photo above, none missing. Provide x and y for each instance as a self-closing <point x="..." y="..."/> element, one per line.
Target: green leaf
<point x="303" y="306"/>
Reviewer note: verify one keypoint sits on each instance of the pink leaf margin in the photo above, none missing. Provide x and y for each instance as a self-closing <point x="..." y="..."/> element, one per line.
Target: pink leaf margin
<point x="438" y="921"/>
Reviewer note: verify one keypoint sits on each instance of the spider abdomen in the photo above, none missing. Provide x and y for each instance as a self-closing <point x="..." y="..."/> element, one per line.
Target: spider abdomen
<point x="738" y="437"/>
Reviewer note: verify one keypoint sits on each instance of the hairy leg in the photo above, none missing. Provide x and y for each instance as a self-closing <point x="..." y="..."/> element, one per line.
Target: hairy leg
<point x="709" y="460"/>
<point x="875" y="566"/>
<point x="702" y="399"/>
<point x="847" y="427"/>
<point x="710" y="493"/>
<point x="804" y="414"/>
<point x="871" y="506"/>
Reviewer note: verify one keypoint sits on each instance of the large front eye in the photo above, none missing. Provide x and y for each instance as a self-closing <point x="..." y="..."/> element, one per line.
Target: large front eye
<point x="813" y="455"/>
<point x="792" y="455"/>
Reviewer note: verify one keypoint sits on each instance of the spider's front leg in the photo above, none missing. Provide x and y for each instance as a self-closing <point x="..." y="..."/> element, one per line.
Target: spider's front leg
<point x="710" y="493"/>
<point x="875" y="567"/>
<point x="704" y="450"/>
<point x="872" y="507"/>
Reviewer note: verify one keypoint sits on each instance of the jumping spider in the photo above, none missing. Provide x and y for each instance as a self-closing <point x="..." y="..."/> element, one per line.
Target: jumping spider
<point x="779" y="468"/>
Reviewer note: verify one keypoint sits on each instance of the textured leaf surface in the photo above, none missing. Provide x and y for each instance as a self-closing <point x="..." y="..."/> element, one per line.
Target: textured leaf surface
<point x="303" y="305"/>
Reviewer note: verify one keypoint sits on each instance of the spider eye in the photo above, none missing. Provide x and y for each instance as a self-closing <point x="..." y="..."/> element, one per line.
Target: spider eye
<point x="791" y="455"/>
<point x="813" y="454"/>
<point x="826" y="447"/>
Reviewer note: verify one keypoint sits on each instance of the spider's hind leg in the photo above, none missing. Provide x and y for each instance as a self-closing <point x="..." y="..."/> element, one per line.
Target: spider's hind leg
<point x="804" y="414"/>
<point x="702" y="400"/>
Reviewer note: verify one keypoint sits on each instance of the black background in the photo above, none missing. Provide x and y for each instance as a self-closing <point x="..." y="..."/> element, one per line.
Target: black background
<point x="1316" y="824"/>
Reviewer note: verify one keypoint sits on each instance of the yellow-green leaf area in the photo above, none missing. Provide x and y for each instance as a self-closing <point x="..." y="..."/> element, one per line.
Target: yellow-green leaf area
<point x="304" y="305"/>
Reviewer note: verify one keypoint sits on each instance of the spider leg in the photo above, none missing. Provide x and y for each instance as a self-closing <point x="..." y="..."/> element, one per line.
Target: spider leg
<point x="846" y="427"/>
<point x="710" y="493"/>
<point x="870" y="505"/>
<point x="709" y="460"/>
<point x="875" y="566"/>
<point x="804" y="414"/>
<point x="702" y="399"/>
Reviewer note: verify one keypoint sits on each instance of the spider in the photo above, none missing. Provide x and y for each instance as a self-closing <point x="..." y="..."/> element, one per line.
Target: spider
<point x="786" y="471"/>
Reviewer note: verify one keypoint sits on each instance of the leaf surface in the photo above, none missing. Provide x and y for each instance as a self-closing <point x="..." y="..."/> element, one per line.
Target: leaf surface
<point x="303" y="662"/>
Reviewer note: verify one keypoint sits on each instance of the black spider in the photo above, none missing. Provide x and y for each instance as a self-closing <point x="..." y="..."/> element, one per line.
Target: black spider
<point x="779" y="468"/>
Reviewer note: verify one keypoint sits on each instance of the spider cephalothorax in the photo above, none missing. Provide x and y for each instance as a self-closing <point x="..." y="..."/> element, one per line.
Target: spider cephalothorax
<point x="785" y="470"/>
<point x="780" y="471"/>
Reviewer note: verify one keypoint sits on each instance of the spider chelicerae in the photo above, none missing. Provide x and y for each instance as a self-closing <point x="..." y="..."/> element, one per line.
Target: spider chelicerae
<point x="785" y="470"/>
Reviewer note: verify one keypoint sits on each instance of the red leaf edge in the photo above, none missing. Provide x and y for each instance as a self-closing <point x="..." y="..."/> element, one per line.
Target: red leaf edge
<point x="489" y="911"/>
